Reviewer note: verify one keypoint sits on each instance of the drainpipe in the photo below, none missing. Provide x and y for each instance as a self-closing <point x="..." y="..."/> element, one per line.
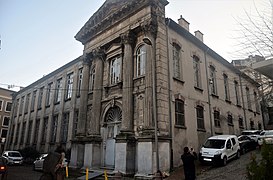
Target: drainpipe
<point x="170" y="99"/>
<point x="240" y="79"/>
<point x="208" y="90"/>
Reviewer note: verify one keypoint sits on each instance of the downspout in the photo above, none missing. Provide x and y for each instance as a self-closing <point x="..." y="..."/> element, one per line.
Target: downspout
<point x="240" y="79"/>
<point x="208" y="90"/>
<point x="170" y="99"/>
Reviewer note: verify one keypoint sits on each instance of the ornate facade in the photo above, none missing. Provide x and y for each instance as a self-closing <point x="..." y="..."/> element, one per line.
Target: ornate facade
<point x="142" y="90"/>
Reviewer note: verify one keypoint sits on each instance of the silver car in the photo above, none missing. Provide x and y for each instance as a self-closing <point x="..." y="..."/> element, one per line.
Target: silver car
<point x="39" y="162"/>
<point x="13" y="157"/>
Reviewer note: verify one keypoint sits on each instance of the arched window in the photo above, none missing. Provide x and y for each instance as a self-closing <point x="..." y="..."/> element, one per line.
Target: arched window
<point x="140" y="61"/>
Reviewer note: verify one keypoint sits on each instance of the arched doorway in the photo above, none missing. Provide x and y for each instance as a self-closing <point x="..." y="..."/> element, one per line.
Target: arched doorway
<point x="112" y="128"/>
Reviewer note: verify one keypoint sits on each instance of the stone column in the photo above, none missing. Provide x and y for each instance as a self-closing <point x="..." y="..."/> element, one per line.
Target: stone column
<point x="84" y="97"/>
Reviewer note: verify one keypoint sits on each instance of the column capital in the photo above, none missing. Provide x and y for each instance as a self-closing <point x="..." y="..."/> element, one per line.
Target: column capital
<point x="150" y="27"/>
<point x="127" y="37"/>
<point x="98" y="53"/>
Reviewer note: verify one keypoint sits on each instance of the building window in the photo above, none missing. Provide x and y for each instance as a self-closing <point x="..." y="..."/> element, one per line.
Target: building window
<point x="1" y="105"/>
<point x="230" y="119"/>
<point x="40" y="98"/>
<point x="179" y="113"/>
<point x="6" y="120"/>
<point x="54" y="126"/>
<point x="45" y="127"/>
<point x="176" y="61"/>
<point x="75" y="124"/>
<point x="115" y="68"/>
<point x="33" y="100"/>
<point x="21" y="105"/>
<point x="64" y="127"/>
<point x="200" y="117"/>
<point x="256" y="102"/>
<point x="217" y="119"/>
<point x="58" y="91"/>
<point x="79" y="87"/>
<point x="238" y="100"/>
<point x="252" y="125"/>
<point x="92" y="79"/>
<point x="197" y="72"/>
<point x="29" y="131"/>
<point x="8" y="106"/>
<point x="49" y="94"/>
<point x="140" y="61"/>
<point x="212" y="80"/>
<point x="27" y="103"/>
<point x="23" y="133"/>
<point x="226" y="86"/>
<point x="248" y="99"/>
<point x="4" y="133"/>
<point x="36" y="132"/>
<point x="69" y="86"/>
<point x="241" y="122"/>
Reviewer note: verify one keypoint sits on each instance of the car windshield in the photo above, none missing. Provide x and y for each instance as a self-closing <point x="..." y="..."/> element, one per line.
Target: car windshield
<point x="215" y="143"/>
<point x="250" y="132"/>
<point x="14" y="154"/>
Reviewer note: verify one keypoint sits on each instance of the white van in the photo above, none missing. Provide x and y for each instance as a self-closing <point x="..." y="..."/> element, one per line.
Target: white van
<point x="220" y="149"/>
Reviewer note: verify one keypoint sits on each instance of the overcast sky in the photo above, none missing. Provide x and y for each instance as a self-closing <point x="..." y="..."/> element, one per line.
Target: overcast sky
<point x="37" y="36"/>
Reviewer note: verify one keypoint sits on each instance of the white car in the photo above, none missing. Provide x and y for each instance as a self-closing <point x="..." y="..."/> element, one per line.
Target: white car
<point x="39" y="162"/>
<point x="266" y="136"/>
<point x="13" y="157"/>
<point x="220" y="149"/>
<point x="253" y="134"/>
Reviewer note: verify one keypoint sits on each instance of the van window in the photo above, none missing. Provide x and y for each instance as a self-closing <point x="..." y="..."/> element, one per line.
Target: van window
<point x="214" y="143"/>
<point x="233" y="141"/>
<point x="228" y="146"/>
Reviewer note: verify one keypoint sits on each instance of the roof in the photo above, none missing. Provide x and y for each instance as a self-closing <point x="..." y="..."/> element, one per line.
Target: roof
<point x="222" y="136"/>
<point x="186" y="34"/>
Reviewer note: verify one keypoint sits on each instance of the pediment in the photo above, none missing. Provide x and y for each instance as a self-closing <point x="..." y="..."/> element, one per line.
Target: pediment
<point x="113" y="48"/>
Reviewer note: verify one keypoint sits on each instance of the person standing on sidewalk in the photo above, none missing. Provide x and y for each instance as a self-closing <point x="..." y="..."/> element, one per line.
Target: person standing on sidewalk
<point x="188" y="162"/>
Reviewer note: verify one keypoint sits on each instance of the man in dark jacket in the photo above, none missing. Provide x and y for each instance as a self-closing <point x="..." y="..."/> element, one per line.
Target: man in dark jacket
<point x="188" y="162"/>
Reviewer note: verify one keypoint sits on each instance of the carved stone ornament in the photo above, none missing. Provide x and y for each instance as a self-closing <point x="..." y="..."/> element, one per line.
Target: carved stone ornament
<point x="98" y="53"/>
<point x="127" y="37"/>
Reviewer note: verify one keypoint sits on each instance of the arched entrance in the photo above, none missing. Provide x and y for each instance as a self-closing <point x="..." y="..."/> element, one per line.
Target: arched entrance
<point x="112" y="128"/>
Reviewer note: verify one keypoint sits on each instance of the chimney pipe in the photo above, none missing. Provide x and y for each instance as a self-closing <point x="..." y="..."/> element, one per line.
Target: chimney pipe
<point x="183" y="23"/>
<point x="199" y="35"/>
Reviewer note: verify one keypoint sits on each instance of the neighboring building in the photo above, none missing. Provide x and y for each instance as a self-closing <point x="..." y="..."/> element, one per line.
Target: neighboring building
<point x="260" y="69"/>
<point x="5" y="112"/>
<point x="144" y="88"/>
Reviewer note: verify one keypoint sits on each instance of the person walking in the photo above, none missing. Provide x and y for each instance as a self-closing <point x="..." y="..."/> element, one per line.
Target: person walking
<point x="188" y="159"/>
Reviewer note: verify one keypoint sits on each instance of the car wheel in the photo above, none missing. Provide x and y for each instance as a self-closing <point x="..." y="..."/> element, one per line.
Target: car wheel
<point x="224" y="162"/>
<point x="238" y="155"/>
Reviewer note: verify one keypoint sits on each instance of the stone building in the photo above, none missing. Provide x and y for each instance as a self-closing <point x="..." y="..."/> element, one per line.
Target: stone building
<point x="144" y="88"/>
<point x="5" y="111"/>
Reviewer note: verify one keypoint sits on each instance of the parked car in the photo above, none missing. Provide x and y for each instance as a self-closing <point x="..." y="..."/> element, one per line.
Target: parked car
<point x="13" y="157"/>
<point x="3" y="168"/>
<point x="253" y="134"/>
<point x="266" y="136"/>
<point x="246" y="143"/>
<point x="39" y="162"/>
<point x="219" y="149"/>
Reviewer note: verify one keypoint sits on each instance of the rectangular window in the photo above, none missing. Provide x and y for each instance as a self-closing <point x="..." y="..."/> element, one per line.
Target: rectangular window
<point x="230" y="119"/>
<point x="226" y="86"/>
<point x="256" y="103"/>
<point x="217" y="119"/>
<point x="238" y="100"/>
<point x="29" y="131"/>
<point x="23" y="133"/>
<point x="179" y="113"/>
<point x="176" y="61"/>
<point x="197" y="72"/>
<point x="22" y="105"/>
<point x="200" y="117"/>
<point x="33" y="100"/>
<point x="241" y="122"/>
<point x="212" y="80"/>
<point x="40" y="98"/>
<point x="69" y="86"/>
<point x="75" y="126"/>
<point x="8" y="106"/>
<point x="64" y="127"/>
<point x="27" y="103"/>
<point x="115" y="68"/>
<point x="6" y="120"/>
<point x="58" y="90"/>
<point x="4" y="133"/>
<point x="54" y="126"/>
<point x="140" y="61"/>
<point x="248" y="99"/>
<point x="49" y="94"/>
<point x="1" y="105"/>
<point x="37" y="127"/>
<point x="79" y="87"/>
<point x="92" y="79"/>
<point x="45" y="128"/>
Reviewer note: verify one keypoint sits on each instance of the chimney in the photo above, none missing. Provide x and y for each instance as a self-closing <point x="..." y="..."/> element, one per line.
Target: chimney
<point x="183" y="23"/>
<point x="199" y="35"/>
